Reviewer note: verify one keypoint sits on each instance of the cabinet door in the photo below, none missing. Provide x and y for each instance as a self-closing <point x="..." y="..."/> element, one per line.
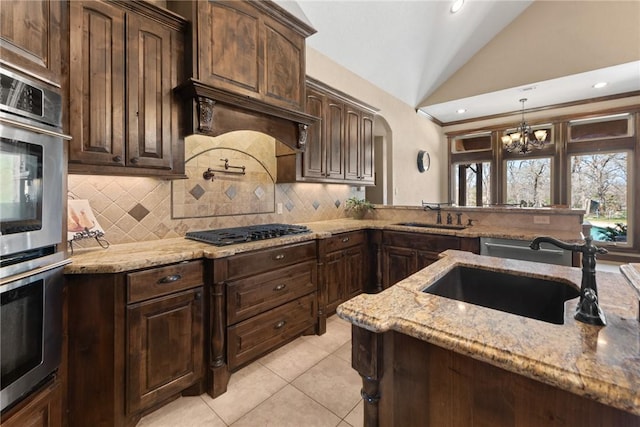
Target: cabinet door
<point x="165" y="347"/>
<point x="367" y="160"/>
<point x="284" y="65"/>
<point x="335" y="271"/>
<point x="229" y="46"/>
<point x="356" y="265"/>
<point x="30" y="37"/>
<point x="42" y="409"/>
<point x="313" y="157"/>
<point x="352" y="145"/>
<point x="149" y="85"/>
<point x="96" y="84"/>
<point x="335" y="128"/>
<point x="399" y="263"/>
<point x="426" y="258"/>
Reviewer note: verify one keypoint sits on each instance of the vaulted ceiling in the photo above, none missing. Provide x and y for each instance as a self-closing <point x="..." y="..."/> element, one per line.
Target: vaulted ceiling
<point x="485" y="57"/>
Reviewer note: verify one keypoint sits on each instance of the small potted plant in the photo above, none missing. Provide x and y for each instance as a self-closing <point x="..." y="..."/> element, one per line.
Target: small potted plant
<point x="358" y="207"/>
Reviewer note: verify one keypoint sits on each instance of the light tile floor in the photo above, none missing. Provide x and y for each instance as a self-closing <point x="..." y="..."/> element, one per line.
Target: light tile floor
<point x="309" y="382"/>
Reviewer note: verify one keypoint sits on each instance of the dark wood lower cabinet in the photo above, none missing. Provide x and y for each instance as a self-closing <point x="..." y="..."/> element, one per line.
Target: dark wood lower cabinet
<point x="135" y="340"/>
<point x="344" y="262"/>
<point x="259" y="301"/>
<point x="165" y="347"/>
<point x="405" y="253"/>
<point x="408" y="382"/>
<point x="42" y="409"/>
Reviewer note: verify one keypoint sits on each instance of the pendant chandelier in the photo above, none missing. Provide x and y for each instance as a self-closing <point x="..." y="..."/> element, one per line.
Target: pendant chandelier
<point x="523" y="140"/>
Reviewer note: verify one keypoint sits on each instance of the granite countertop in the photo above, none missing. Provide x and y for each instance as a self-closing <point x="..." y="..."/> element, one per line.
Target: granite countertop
<point x="132" y="256"/>
<point x="601" y="363"/>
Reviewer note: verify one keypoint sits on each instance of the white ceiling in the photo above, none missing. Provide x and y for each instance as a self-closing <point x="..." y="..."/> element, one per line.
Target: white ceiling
<point x="409" y="48"/>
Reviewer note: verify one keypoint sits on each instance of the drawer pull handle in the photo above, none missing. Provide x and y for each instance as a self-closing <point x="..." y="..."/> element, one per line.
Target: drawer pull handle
<point x="170" y="279"/>
<point x="279" y="257"/>
<point x="279" y="325"/>
<point x="280" y="287"/>
<point x="345" y="240"/>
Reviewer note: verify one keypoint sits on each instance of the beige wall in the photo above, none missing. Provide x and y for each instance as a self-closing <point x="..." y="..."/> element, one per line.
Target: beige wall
<point x="556" y="39"/>
<point x="410" y="133"/>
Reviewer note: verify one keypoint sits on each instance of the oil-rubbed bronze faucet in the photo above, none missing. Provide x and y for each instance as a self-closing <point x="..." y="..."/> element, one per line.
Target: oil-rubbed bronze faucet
<point x="436" y="208"/>
<point x="588" y="310"/>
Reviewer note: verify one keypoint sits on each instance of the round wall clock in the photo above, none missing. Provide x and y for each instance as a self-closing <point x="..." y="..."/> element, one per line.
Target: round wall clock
<point x="424" y="161"/>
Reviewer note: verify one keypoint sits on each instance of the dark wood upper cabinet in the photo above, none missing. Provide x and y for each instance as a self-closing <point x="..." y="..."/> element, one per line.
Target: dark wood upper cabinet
<point x="339" y="146"/>
<point x="97" y="78"/>
<point x="30" y="35"/>
<point x="125" y="60"/>
<point x="249" y="48"/>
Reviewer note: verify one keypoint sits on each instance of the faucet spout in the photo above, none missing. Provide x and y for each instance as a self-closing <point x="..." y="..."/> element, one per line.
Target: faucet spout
<point x="588" y="310"/>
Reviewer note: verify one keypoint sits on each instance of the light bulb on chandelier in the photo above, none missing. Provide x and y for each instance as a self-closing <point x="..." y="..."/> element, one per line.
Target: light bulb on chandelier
<point x="524" y="139"/>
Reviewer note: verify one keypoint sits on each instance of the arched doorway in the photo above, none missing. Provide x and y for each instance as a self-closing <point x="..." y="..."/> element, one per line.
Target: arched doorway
<point x="381" y="193"/>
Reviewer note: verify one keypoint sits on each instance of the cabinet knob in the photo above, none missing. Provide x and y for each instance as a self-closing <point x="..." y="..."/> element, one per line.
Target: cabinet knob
<point x="280" y="287"/>
<point x="134" y="160"/>
<point x="170" y="279"/>
<point x="279" y="325"/>
<point x="279" y="257"/>
<point x="117" y="159"/>
<point x="197" y="296"/>
<point x="345" y="240"/>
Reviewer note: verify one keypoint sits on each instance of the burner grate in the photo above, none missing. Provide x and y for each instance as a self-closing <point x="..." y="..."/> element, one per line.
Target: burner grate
<point x="230" y="236"/>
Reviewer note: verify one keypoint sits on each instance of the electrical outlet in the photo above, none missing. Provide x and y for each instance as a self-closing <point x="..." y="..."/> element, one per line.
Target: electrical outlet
<point x="542" y="219"/>
<point x="279" y="209"/>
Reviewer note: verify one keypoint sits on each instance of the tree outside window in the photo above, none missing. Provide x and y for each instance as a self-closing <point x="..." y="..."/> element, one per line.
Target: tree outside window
<point x="529" y="182"/>
<point x="599" y="186"/>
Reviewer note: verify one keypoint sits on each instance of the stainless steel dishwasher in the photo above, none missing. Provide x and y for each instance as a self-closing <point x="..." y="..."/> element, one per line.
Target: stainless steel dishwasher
<point x="519" y="249"/>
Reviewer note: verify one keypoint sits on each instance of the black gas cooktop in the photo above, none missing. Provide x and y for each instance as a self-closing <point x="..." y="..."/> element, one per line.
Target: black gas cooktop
<point x="230" y="236"/>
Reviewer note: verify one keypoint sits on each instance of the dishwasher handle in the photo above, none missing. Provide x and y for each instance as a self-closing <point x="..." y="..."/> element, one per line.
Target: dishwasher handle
<point x="522" y="248"/>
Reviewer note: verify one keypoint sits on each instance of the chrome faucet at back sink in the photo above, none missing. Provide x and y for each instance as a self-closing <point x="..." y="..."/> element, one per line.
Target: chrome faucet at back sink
<point x="588" y="310"/>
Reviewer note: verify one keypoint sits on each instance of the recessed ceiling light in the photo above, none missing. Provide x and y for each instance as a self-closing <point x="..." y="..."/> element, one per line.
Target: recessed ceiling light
<point x="599" y="85"/>
<point x="461" y="110"/>
<point x="456" y="6"/>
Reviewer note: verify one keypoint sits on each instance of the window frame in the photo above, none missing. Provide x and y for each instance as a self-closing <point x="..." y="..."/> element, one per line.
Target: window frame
<point x="560" y="152"/>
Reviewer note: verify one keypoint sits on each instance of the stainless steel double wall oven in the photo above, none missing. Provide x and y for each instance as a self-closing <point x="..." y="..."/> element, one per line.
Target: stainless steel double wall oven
<point x="31" y="257"/>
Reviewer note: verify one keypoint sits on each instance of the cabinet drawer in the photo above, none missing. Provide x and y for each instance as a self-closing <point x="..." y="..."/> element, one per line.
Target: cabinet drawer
<point x="419" y="241"/>
<point x="163" y="280"/>
<point x="253" y="295"/>
<point x="252" y="338"/>
<point x="345" y="240"/>
<point x="269" y="259"/>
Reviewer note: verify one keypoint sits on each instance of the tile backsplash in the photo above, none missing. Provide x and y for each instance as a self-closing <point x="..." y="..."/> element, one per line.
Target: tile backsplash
<point x="134" y="209"/>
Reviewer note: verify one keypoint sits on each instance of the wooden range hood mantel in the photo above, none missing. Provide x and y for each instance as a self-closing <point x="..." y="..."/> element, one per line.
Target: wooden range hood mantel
<point x="216" y="111"/>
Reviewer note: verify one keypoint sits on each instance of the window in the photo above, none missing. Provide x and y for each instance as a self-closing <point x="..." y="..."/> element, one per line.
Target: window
<point x="590" y="163"/>
<point x="529" y="182"/>
<point x="476" y="184"/>
<point x="599" y="186"/>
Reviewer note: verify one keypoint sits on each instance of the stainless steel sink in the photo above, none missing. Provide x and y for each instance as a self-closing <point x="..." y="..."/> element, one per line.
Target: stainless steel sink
<point x="525" y="296"/>
<point x="425" y="225"/>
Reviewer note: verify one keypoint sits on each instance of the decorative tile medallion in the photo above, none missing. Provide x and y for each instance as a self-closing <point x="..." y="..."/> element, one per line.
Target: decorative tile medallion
<point x="259" y="192"/>
<point x="138" y="212"/>
<point x="337" y="203"/>
<point x="231" y="192"/>
<point x="289" y="205"/>
<point x="197" y="191"/>
<point x="316" y="204"/>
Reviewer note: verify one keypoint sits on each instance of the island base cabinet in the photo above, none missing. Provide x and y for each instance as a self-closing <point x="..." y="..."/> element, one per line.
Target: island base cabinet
<point x="413" y="383"/>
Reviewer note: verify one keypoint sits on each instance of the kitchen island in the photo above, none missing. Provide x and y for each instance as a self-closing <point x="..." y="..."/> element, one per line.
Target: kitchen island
<point x="427" y="360"/>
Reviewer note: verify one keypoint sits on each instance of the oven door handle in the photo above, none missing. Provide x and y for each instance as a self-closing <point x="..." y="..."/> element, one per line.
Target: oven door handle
<point x="31" y="128"/>
<point x="35" y="271"/>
